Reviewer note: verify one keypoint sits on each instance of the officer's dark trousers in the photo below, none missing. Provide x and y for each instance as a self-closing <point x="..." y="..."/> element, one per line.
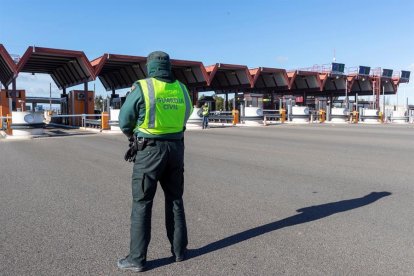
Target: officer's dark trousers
<point x="205" y="122"/>
<point x="161" y="161"/>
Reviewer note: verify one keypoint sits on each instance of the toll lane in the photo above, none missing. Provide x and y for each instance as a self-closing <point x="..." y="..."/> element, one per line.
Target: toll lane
<point x="281" y="200"/>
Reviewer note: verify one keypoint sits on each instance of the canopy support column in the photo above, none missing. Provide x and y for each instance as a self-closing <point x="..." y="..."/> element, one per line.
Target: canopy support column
<point x="85" y="89"/>
<point x="14" y="99"/>
<point x="272" y="98"/>
<point x="304" y="98"/>
<point x="194" y="97"/>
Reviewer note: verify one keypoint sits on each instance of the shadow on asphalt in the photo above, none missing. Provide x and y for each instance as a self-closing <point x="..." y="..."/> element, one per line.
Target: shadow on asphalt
<point x="305" y="215"/>
<point x="55" y="133"/>
<point x="63" y="131"/>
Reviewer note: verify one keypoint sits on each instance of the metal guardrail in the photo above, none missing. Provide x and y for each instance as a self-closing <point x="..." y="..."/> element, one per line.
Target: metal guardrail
<point x="84" y="119"/>
<point x="94" y="123"/>
<point x="221" y="116"/>
<point x="114" y="123"/>
<point x="271" y="115"/>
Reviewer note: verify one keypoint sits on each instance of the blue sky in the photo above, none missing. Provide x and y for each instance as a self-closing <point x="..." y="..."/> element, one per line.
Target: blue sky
<point x="281" y="33"/>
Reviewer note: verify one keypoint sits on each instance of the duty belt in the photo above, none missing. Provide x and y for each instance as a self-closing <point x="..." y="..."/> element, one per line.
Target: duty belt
<point x="154" y="140"/>
<point x="139" y="143"/>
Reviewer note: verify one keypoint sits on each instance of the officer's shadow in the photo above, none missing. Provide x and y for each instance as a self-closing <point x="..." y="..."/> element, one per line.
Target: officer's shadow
<point x="306" y="214"/>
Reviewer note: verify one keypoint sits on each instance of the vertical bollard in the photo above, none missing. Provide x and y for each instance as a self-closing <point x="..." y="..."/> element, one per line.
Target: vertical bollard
<point x="105" y="121"/>
<point x="322" y="117"/>
<point x="282" y="115"/>
<point x="235" y="114"/>
<point x="9" y="131"/>
<point x="355" y="117"/>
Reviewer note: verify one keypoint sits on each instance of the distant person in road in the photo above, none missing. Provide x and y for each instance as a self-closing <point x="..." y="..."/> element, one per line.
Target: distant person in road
<point x="154" y="116"/>
<point x="205" y="114"/>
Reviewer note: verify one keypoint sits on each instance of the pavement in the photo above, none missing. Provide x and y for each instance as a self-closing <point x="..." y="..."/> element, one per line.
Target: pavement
<point x="276" y="200"/>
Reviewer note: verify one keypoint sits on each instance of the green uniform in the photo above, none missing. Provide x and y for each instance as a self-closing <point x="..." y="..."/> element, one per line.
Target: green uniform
<point x="157" y="111"/>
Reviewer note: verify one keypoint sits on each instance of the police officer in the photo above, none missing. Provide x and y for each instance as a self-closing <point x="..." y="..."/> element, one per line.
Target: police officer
<point x="205" y="114"/>
<point x="156" y="111"/>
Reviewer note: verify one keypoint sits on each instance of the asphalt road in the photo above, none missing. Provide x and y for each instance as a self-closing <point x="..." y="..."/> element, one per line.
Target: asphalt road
<point x="277" y="200"/>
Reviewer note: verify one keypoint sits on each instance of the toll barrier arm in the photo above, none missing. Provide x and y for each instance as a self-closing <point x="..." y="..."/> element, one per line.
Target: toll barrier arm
<point x="4" y="122"/>
<point x="85" y="118"/>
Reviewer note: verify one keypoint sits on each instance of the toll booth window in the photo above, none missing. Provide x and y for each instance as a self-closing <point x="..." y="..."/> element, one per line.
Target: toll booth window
<point x="254" y="102"/>
<point x="81" y="96"/>
<point x="116" y="103"/>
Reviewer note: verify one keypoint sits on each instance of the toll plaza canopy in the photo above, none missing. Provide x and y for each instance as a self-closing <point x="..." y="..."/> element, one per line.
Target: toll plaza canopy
<point x="384" y="80"/>
<point x="7" y="67"/>
<point x="360" y="82"/>
<point x="69" y="68"/>
<point x="66" y="67"/>
<point x="333" y="82"/>
<point x="269" y="79"/>
<point x="304" y="81"/>
<point x="229" y="77"/>
<point x="192" y="73"/>
<point x="367" y="85"/>
<point x="119" y="71"/>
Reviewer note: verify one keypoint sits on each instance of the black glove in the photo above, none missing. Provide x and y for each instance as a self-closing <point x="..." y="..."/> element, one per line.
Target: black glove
<point x="132" y="151"/>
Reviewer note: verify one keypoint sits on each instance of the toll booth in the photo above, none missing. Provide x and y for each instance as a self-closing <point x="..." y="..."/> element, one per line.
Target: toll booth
<point x="252" y="107"/>
<point x="6" y="103"/>
<point x="253" y="100"/>
<point x="76" y="105"/>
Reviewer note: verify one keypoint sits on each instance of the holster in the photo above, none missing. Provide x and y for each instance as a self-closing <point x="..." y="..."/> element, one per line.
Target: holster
<point x="141" y="144"/>
<point x="135" y="145"/>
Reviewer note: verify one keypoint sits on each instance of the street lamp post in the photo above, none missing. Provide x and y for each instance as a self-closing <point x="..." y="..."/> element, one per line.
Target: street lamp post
<point x="383" y="102"/>
<point x="346" y="93"/>
<point x="50" y="97"/>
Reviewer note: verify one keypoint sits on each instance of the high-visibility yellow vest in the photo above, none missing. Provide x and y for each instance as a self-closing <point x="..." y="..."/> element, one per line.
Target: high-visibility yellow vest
<point x="167" y="107"/>
<point x="205" y="110"/>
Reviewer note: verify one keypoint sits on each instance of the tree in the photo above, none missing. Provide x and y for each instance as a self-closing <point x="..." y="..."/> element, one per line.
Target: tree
<point x="219" y="102"/>
<point x="99" y="103"/>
